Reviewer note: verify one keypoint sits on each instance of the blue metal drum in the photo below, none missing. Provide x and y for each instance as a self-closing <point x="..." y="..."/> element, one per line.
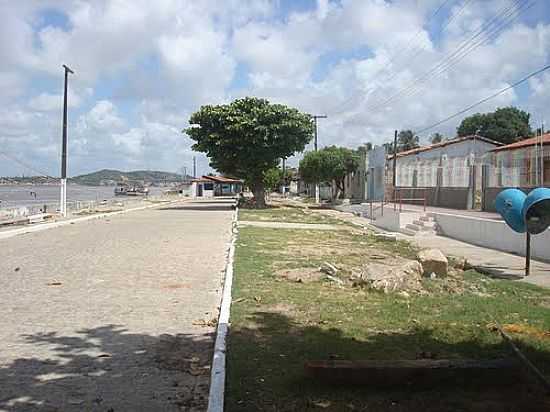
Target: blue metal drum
<point x="509" y="203"/>
<point x="536" y="210"/>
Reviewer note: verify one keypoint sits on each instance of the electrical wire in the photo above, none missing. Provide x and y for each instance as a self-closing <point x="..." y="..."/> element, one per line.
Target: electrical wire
<point x="398" y="53"/>
<point x="523" y="80"/>
<point x="487" y="33"/>
<point x="31" y="168"/>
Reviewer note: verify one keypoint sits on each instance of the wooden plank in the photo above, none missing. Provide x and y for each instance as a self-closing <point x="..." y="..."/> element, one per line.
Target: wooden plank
<point x="418" y="371"/>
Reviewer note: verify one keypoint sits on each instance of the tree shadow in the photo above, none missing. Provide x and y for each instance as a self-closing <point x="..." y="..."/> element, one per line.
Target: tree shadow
<point x="204" y="206"/>
<point x="107" y="368"/>
<point x="266" y="371"/>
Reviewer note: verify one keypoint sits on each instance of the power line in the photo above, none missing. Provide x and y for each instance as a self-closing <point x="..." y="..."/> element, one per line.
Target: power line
<point x="25" y="165"/>
<point x="393" y="57"/>
<point x="511" y="15"/>
<point x="485" y="99"/>
<point x="507" y="14"/>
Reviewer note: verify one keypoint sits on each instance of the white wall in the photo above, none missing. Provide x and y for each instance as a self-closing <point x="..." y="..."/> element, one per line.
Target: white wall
<point x="493" y="234"/>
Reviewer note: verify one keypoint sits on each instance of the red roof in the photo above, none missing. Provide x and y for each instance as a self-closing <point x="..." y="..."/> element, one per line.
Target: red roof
<point x="217" y="179"/>
<point x="446" y="143"/>
<point x="525" y="143"/>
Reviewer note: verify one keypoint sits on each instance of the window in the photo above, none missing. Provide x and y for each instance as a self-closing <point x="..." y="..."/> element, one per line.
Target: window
<point x="209" y="186"/>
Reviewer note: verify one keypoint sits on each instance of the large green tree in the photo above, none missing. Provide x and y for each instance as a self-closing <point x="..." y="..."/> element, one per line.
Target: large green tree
<point x="505" y="125"/>
<point x="331" y="165"/>
<point x="248" y="137"/>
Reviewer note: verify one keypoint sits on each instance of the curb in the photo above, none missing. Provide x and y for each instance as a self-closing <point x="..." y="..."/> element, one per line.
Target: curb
<point x="216" y="395"/>
<point x="38" y="228"/>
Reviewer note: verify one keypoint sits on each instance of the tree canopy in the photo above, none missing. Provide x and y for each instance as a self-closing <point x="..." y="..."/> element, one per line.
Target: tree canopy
<point x="248" y="137"/>
<point x="505" y="125"/>
<point x="407" y="140"/>
<point x="437" y="138"/>
<point x="330" y="164"/>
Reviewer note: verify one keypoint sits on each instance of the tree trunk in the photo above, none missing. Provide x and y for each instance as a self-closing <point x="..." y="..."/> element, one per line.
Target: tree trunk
<point x="259" y="195"/>
<point x="335" y="191"/>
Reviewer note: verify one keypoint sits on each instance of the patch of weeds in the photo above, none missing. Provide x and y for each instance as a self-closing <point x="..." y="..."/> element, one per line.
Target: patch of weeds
<point x="279" y="324"/>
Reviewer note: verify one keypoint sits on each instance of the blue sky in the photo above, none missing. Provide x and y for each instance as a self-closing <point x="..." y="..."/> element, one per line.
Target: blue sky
<point x="141" y="68"/>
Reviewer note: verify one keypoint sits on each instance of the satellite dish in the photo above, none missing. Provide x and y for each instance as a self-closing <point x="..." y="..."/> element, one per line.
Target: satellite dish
<point x="509" y="203"/>
<point x="536" y="210"/>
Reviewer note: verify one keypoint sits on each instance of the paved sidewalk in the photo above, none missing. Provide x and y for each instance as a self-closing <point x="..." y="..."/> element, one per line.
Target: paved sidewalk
<point x="113" y="314"/>
<point x="493" y="262"/>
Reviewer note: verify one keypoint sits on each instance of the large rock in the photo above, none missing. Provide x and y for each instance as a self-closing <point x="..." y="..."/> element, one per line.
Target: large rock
<point x="405" y="276"/>
<point x="433" y="261"/>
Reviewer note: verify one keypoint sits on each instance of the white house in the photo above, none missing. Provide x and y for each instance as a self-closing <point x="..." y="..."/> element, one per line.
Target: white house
<point x="210" y="186"/>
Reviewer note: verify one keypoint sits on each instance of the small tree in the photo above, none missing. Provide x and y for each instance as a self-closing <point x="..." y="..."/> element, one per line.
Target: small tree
<point x="272" y="178"/>
<point x="406" y="140"/>
<point x="248" y="137"/>
<point x="437" y="138"/>
<point x="330" y="164"/>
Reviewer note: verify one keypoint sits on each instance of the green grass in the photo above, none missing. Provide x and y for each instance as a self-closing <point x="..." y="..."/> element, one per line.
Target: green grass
<point x="288" y="215"/>
<point x="277" y="325"/>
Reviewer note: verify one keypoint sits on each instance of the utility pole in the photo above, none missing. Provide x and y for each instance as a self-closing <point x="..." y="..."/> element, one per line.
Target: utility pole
<point x="315" y="117"/>
<point x="63" y="200"/>
<point x="284" y="177"/>
<point x="394" y="179"/>
<point x="194" y="167"/>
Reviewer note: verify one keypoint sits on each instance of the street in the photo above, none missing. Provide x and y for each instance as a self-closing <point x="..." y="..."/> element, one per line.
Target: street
<point x="113" y="314"/>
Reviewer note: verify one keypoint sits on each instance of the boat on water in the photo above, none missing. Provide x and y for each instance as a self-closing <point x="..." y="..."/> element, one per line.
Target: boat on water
<point x="131" y="189"/>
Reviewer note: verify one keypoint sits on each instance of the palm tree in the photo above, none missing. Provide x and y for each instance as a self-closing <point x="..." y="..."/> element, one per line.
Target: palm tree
<point x="406" y="140"/>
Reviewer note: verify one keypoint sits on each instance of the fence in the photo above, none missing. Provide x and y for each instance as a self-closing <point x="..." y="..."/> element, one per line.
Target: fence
<point x="524" y="168"/>
<point x="451" y="183"/>
<point x="75" y="207"/>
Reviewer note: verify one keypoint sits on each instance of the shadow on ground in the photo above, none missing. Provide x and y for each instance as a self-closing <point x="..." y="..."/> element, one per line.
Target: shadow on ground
<point x="266" y="371"/>
<point x="204" y="206"/>
<point x="108" y="369"/>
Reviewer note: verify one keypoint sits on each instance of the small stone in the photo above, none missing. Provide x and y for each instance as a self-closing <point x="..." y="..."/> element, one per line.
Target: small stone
<point x="433" y="260"/>
<point x="402" y="277"/>
<point x="433" y="276"/>
<point x="328" y="269"/>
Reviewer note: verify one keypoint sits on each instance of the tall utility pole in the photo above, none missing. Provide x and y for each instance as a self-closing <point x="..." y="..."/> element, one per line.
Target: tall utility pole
<point x="194" y="167"/>
<point x="394" y="180"/>
<point x="315" y="117"/>
<point x="63" y="200"/>
<point x="284" y="177"/>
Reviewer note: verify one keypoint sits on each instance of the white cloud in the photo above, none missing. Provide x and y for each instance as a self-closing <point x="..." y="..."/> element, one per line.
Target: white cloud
<point x="142" y="67"/>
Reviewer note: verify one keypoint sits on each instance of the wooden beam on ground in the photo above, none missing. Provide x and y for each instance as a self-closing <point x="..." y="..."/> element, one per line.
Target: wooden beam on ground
<point x="526" y="362"/>
<point x="419" y="372"/>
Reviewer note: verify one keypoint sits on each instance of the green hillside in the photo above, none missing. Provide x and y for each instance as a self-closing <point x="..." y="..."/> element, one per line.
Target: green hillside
<point x="108" y="177"/>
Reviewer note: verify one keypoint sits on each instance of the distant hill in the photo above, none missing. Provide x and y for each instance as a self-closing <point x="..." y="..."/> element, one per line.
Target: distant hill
<point x="108" y="177"/>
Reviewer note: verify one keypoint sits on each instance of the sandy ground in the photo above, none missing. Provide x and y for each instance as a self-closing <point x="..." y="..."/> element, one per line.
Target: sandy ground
<point x="113" y="314"/>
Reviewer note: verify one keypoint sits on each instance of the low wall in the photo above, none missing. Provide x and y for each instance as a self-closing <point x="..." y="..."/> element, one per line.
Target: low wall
<point x="393" y="221"/>
<point x="493" y="234"/>
<point x="449" y="197"/>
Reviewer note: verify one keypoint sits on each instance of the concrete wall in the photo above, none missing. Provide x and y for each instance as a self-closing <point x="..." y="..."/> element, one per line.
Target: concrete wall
<point x="493" y="234"/>
<point x="390" y="220"/>
<point x="460" y="149"/>
<point x="450" y="197"/>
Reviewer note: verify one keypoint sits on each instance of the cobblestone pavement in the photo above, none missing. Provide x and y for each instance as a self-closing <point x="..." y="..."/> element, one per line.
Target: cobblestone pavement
<point x="113" y="314"/>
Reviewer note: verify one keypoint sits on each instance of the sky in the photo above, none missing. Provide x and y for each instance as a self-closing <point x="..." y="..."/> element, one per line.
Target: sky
<point x="142" y="67"/>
